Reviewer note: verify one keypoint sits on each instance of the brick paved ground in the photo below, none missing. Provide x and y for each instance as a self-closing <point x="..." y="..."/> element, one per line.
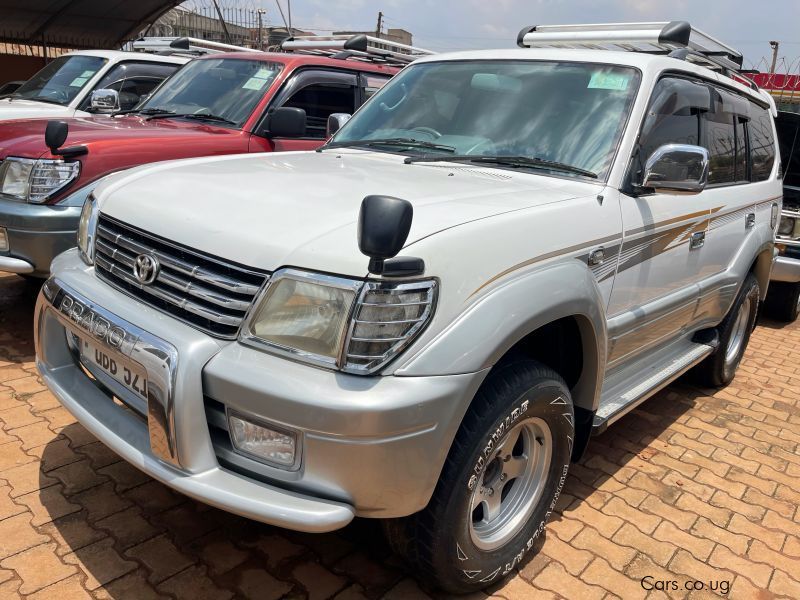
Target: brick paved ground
<point x="694" y="485"/>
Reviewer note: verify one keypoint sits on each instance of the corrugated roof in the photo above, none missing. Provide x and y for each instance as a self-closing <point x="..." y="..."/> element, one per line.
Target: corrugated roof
<point x="78" y="23"/>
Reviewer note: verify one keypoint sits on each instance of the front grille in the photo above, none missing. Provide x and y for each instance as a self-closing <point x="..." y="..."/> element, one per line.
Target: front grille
<point x="206" y="292"/>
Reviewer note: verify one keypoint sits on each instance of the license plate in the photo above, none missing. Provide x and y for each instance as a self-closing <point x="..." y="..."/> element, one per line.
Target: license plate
<point x="129" y="375"/>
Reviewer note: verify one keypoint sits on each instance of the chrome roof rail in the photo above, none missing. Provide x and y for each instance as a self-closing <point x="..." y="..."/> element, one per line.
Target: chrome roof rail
<point x="652" y="38"/>
<point x="184" y="45"/>
<point x="361" y="47"/>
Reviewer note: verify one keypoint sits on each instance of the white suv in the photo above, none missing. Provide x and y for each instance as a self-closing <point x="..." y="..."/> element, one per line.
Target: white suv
<point x="63" y="88"/>
<point x="424" y="321"/>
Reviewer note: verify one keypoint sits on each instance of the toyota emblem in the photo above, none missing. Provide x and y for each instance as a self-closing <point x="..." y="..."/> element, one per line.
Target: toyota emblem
<point x="145" y="268"/>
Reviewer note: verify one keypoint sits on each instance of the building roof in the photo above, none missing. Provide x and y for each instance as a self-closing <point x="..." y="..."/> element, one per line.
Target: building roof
<point x="78" y="24"/>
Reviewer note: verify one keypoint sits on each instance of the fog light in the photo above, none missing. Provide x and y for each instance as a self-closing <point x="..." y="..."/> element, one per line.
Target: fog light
<point x="263" y="442"/>
<point x="3" y="240"/>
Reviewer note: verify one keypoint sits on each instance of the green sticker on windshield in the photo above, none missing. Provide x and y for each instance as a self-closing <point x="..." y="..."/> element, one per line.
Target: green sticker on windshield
<point x="254" y="83"/>
<point x="87" y="74"/>
<point x="257" y="81"/>
<point x="609" y="81"/>
<point x="78" y="81"/>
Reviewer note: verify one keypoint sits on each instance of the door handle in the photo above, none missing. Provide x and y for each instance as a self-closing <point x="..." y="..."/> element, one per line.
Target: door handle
<point x="697" y="240"/>
<point x="750" y="220"/>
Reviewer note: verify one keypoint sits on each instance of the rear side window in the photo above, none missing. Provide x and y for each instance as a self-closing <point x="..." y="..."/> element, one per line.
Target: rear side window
<point x="762" y="143"/>
<point x="720" y="139"/>
<point x="723" y="135"/>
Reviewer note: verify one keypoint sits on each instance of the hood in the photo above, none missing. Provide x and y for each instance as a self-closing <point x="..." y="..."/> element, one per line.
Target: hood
<point x="14" y="108"/>
<point x="26" y="137"/>
<point x="301" y="209"/>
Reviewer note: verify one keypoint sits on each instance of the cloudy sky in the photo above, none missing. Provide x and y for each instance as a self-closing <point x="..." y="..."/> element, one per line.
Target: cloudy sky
<point x="460" y="24"/>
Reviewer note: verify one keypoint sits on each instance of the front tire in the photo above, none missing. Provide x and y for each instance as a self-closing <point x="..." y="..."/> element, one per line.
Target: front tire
<point x="734" y="334"/>
<point x="783" y="301"/>
<point x="500" y="482"/>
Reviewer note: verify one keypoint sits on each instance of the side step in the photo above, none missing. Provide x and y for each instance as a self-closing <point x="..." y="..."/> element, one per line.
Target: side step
<point x="629" y="387"/>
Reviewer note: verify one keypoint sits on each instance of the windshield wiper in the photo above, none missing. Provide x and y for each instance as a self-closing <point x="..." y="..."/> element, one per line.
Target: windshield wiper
<point x="156" y="113"/>
<point x="205" y="117"/>
<point x="399" y="141"/>
<point x="507" y="161"/>
<point x="45" y="100"/>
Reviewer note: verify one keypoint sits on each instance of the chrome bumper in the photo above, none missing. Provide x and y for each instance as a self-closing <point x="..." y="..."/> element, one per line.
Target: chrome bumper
<point x="9" y="264"/>
<point x="786" y="269"/>
<point x="153" y="448"/>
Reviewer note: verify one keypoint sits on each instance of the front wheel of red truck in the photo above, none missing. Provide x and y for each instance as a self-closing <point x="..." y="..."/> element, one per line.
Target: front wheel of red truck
<point x="499" y="485"/>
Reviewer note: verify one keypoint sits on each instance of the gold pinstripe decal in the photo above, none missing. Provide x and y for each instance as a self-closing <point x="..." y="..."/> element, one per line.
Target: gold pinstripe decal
<point x="660" y="243"/>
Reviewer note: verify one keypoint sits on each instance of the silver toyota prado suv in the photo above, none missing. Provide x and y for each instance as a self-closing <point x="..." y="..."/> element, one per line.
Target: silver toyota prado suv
<point x="501" y="253"/>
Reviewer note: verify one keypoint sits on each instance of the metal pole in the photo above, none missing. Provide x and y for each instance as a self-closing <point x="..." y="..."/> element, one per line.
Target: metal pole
<point x="380" y="24"/>
<point x="289" y="3"/>
<point x="260" y="27"/>
<point x="222" y="22"/>
<point x="774" y="45"/>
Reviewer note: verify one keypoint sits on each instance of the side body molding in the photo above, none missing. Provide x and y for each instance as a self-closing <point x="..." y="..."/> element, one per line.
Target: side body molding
<point x="508" y="312"/>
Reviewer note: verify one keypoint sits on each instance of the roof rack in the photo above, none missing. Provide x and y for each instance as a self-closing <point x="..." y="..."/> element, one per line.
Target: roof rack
<point x="361" y="47"/>
<point x="184" y="45"/>
<point x="653" y="38"/>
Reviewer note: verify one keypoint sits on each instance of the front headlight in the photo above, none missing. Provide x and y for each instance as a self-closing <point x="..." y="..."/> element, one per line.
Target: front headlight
<point x="35" y="180"/>
<point x="87" y="225"/>
<point x="335" y="322"/>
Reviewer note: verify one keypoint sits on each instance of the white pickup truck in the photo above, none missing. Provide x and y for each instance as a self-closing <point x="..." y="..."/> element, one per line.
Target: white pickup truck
<point x="64" y="87"/>
<point x="501" y="253"/>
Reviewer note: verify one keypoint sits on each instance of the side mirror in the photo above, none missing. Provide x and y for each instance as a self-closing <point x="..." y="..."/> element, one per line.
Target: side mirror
<point x="335" y="122"/>
<point x="680" y="168"/>
<point x="105" y="101"/>
<point x="55" y="135"/>
<point x="286" y="122"/>
<point x="383" y="226"/>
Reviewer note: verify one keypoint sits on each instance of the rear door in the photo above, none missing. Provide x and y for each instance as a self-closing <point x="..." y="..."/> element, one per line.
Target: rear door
<point x="739" y="136"/>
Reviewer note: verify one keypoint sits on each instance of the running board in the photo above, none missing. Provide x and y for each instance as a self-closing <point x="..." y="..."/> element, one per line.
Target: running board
<point x="629" y="387"/>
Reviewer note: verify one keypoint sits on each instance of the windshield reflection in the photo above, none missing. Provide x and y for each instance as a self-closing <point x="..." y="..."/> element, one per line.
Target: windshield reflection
<point x="564" y="113"/>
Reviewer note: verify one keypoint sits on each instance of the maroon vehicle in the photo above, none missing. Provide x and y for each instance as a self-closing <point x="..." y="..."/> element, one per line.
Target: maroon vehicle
<point x="217" y="104"/>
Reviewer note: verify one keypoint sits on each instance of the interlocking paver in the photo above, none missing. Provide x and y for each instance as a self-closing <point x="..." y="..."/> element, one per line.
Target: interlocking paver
<point x="694" y="484"/>
<point x="38" y="567"/>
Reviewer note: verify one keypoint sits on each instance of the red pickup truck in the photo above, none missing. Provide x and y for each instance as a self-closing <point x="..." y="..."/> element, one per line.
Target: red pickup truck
<point x="217" y="104"/>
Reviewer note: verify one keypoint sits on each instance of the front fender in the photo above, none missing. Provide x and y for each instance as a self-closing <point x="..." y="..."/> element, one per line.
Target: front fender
<point x="506" y="313"/>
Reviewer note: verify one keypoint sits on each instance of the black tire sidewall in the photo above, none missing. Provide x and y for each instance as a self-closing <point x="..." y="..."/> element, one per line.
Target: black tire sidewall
<point x="726" y="371"/>
<point x="468" y="567"/>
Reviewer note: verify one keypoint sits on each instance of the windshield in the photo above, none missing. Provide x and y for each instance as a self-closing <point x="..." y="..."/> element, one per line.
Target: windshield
<point x="61" y="80"/>
<point x="558" y="113"/>
<point x="227" y="88"/>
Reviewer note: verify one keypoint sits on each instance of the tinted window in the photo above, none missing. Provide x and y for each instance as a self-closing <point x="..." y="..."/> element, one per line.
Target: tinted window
<point x="61" y="80"/>
<point x="741" y="149"/>
<point x="321" y="100"/>
<point x="133" y="80"/>
<point x="788" y="126"/>
<point x="673" y="116"/>
<point x="571" y="113"/>
<point x="762" y="143"/>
